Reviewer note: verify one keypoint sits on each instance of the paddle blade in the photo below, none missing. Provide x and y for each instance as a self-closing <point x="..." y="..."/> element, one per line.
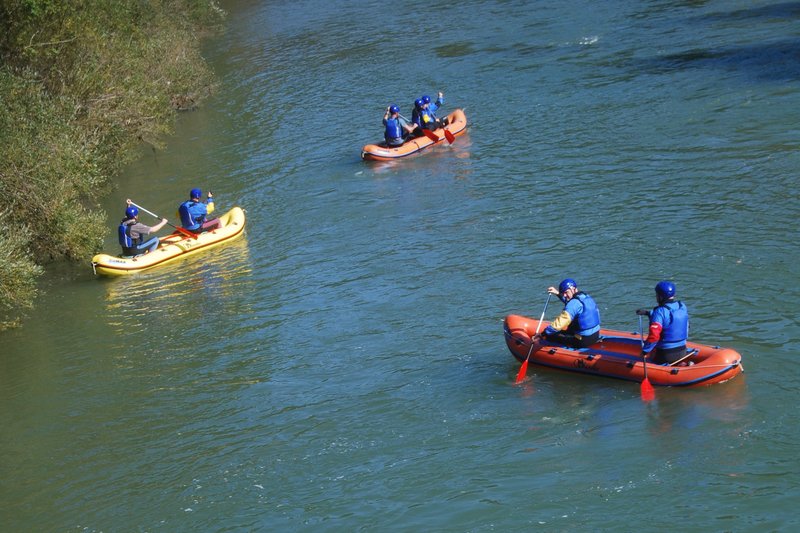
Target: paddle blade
<point x="430" y="135"/>
<point x="522" y="371"/>
<point x="449" y="136"/>
<point x="648" y="392"/>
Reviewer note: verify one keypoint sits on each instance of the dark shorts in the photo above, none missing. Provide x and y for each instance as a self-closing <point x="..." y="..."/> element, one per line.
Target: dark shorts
<point x="572" y="340"/>
<point x="669" y="355"/>
<point x="208" y="225"/>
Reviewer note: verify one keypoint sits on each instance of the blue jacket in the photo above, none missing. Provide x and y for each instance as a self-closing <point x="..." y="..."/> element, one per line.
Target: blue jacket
<point x="674" y="320"/>
<point x="433" y="106"/>
<point x="394" y="128"/>
<point x="193" y="214"/>
<point x="583" y="314"/>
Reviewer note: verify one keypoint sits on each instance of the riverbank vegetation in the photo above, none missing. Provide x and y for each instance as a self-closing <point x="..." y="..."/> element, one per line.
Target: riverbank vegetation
<point x="82" y="84"/>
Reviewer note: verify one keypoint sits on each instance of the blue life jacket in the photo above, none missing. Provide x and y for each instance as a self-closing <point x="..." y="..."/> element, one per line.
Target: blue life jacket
<point x="393" y="129"/>
<point x="676" y="332"/>
<point x="422" y="118"/>
<point x="588" y="320"/>
<point x="192" y="214"/>
<point x="426" y="119"/>
<point x="125" y="239"/>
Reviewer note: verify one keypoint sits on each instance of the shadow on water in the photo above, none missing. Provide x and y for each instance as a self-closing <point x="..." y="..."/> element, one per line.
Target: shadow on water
<point x="765" y="62"/>
<point x="762" y="61"/>
<point x="773" y="11"/>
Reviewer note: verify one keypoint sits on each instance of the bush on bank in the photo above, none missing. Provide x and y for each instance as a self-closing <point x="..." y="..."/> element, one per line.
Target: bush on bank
<point x="82" y="84"/>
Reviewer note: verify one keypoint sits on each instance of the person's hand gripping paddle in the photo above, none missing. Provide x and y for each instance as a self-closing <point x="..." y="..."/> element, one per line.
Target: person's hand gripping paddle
<point x="524" y="368"/>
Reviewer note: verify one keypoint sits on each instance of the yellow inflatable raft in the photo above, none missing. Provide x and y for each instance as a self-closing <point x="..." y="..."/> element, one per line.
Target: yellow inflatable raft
<point x="172" y="247"/>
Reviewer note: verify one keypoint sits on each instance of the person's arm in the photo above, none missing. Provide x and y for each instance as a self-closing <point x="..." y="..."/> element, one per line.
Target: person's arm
<point x="437" y="104"/>
<point x="159" y="225"/>
<point x="406" y="125"/>
<point x="416" y="117"/>
<point x="566" y="317"/>
<point x="560" y="323"/>
<point x="653" y="333"/>
<point x="209" y="203"/>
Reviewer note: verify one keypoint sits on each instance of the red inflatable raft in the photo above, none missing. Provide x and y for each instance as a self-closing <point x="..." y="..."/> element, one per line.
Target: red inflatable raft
<point x="381" y="152"/>
<point x="617" y="355"/>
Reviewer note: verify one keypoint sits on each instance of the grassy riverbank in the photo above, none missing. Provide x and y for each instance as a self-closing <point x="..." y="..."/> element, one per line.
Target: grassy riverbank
<point x="82" y="83"/>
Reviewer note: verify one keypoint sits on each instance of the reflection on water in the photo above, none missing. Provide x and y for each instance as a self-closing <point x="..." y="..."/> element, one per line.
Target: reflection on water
<point x="676" y="409"/>
<point x="173" y="290"/>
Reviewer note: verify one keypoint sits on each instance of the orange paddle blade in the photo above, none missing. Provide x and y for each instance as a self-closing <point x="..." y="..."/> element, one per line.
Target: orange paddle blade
<point x="522" y="371"/>
<point x="648" y="392"/>
<point x="449" y="136"/>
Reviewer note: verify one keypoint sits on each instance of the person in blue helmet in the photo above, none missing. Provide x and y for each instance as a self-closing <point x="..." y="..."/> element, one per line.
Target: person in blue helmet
<point x="425" y="112"/>
<point x="578" y="325"/>
<point x="398" y="129"/>
<point x="131" y="233"/>
<point x="669" y="326"/>
<point x="193" y="212"/>
<point x="415" y="117"/>
<point x="432" y="107"/>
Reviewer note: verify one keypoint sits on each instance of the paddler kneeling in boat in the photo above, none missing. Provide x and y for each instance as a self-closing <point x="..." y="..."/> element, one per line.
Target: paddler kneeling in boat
<point x="669" y="326"/>
<point x="578" y="325"/>
<point x="424" y="114"/>
<point x="132" y="232"/>
<point x="397" y="127"/>
<point x="193" y="212"/>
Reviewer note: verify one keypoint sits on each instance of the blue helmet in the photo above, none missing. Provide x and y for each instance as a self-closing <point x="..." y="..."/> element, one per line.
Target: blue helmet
<point x="418" y="102"/>
<point x="394" y="108"/>
<point x="131" y="212"/>
<point x="426" y="99"/>
<point x="567" y="284"/>
<point x="195" y="193"/>
<point x="665" y="290"/>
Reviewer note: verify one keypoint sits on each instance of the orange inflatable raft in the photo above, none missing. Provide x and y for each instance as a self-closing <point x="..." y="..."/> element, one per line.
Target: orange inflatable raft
<point x="381" y="152"/>
<point x="617" y="355"/>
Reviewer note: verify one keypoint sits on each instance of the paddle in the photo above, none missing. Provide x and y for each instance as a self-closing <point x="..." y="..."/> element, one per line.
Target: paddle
<point x="428" y="133"/>
<point x="180" y="230"/>
<point x="449" y="136"/>
<point x="648" y="393"/>
<point x="524" y="368"/>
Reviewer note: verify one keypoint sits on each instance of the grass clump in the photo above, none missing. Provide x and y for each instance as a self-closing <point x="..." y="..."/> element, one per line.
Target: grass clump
<point x="82" y="84"/>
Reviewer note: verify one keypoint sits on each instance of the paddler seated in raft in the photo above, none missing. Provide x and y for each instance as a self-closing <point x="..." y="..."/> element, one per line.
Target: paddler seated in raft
<point x="578" y="325"/>
<point x="398" y="129"/>
<point x="132" y="232"/>
<point x="669" y="326"/>
<point x="193" y="212"/>
<point x="424" y="114"/>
